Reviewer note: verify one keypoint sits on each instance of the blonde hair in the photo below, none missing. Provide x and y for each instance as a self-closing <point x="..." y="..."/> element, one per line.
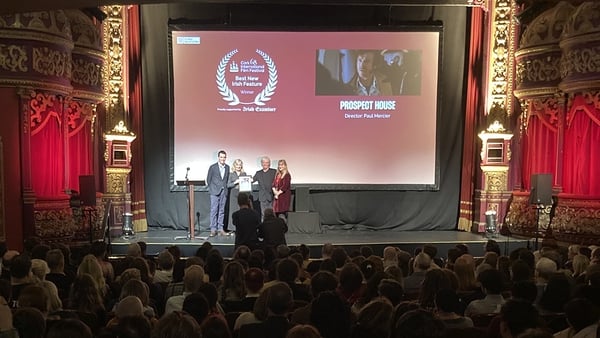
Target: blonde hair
<point x="90" y="265"/>
<point x="236" y="162"/>
<point x="285" y="170"/>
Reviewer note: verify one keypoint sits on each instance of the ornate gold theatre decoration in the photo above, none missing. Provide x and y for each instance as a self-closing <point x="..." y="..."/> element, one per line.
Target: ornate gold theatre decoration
<point x="13" y="58"/>
<point x="113" y="69"/>
<point x="501" y="49"/>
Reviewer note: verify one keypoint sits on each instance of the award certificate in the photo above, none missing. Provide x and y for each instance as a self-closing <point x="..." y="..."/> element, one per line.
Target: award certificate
<point x="245" y="183"/>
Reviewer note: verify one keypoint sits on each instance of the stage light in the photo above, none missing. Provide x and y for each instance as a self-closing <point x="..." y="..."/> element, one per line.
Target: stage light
<point x="128" y="226"/>
<point x="490" y="223"/>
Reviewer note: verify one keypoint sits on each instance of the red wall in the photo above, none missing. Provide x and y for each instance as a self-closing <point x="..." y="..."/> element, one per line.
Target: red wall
<point x="13" y="199"/>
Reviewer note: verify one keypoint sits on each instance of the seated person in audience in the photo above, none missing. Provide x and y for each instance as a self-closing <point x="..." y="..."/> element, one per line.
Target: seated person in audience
<point x="99" y="250"/>
<point x="447" y="305"/>
<point x="254" y="279"/>
<point x="215" y="326"/>
<point x="331" y="315"/>
<point x="130" y="306"/>
<point x="276" y="325"/>
<point x="322" y="281"/>
<point x="544" y="269"/>
<point x="412" y="283"/>
<point x="491" y="283"/>
<point x="57" y="275"/>
<point x="165" y="262"/>
<point x="232" y="289"/>
<point x="193" y="278"/>
<point x="351" y="283"/>
<point x="197" y="306"/>
<point x="392" y="290"/>
<point x="417" y="323"/>
<point x="20" y="277"/>
<point x="516" y="316"/>
<point x="582" y="317"/>
<point x="28" y="321"/>
<point x="374" y="320"/>
<point x="177" y="325"/>
<point x="258" y="313"/>
<point x="287" y="272"/>
<point x="177" y="288"/>
<point x="556" y="294"/>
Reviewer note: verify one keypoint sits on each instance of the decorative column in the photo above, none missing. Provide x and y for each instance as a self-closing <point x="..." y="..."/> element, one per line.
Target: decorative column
<point x="495" y="159"/>
<point x="117" y="156"/>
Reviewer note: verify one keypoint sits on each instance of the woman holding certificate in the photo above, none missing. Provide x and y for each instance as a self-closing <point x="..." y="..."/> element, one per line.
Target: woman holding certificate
<point x="281" y="189"/>
<point x="237" y="173"/>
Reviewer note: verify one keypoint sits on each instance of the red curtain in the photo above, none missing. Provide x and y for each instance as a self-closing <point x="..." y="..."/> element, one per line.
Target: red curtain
<point x="539" y="147"/>
<point x="138" y="196"/>
<point x="47" y="152"/>
<point x="474" y="108"/>
<point x="80" y="152"/>
<point x="581" y="163"/>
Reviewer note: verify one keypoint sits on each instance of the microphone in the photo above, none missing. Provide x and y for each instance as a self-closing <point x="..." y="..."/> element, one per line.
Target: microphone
<point x="187" y="171"/>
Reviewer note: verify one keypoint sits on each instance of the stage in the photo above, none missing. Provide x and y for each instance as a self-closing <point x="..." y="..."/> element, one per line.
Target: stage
<point x="159" y="238"/>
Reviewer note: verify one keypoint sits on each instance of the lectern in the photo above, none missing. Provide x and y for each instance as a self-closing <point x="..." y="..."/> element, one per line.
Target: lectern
<point x="190" y="188"/>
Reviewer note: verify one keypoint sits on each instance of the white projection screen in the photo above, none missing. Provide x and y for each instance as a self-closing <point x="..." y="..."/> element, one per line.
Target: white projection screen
<point x="298" y="96"/>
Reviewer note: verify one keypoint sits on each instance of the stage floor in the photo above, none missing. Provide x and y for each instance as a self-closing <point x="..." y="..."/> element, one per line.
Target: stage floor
<point x="159" y="238"/>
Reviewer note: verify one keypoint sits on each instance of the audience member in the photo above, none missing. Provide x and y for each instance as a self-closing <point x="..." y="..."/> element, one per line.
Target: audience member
<point x="491" y="282"/>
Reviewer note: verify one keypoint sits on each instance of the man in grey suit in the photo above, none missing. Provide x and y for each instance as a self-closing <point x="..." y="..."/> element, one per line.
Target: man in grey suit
<point x="216" y="179"/>
<point x="265" y="178"/>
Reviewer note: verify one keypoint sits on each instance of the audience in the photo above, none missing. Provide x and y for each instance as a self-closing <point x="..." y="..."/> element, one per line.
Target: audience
<point x="357" y="295"/>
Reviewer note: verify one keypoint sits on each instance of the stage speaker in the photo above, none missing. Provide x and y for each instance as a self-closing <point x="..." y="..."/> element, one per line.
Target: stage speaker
<point x="87" y="190"/>
<point x="541" y="189"/>
<point x="301" y="199"/>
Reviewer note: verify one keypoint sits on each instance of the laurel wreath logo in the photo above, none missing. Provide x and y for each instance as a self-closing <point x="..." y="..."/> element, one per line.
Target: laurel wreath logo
<point x="231" y="97"/>
<point x="224" y="90"/>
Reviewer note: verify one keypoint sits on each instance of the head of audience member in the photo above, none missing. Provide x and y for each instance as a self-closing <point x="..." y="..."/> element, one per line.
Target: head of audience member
<point x="56" y="261"/>
<point x="366" y="251"/>
<point x="453" y="255"/>
<point x="214" y="265"/>
<point x="556" y="293"/>
<point x="516" y="316"/>
<point x="133" y="327"/>
<point x="323" y="281"/>
<point x="326" y="250"/>
<point x="422" y="262"/>
<point x="462" y="249"/>
<point x="525" y="290"/>
<point x="491" y="258"/>
<point x="371" y="288"/>
<point x="233" y="279"/>
<point x="331" y="315"/>
<point x="328" y="265"/>
<point x="29" y="243"/>
<point x="257" y="259"/>
<point x="165" y="261"/>
<point x="395" y="272"/>
<point x="20" y="269"/>
<point x="520" y="271"/>
<point x="404" y="262"/>
<point x="282" y="251"/>
<point x="84" y="294"/>
<point x="303" y="331"/>
<point x="129" y="306"/>
<point x="390" y="256"/>
<point x="177" y="325"/>
<point x="30" y="322"/>
<point x="99" y="249"/>
<point x="435" y="279"/>
<point x="418" y="324"/>
<point x="351" y="279"/>
<point x="392" y="290"/>
<point x="447" y="301"/>
<point x="581" y="313"/>
<point x="39" y="268"/>
<point x="197" y="306"/>
<point x="129" y="274"/>
<point x="580" y="264"/>
<point x="7" y="258"/>
<point x="430" y="250"/>
<point x="134" y="250"/>
<point x="464" y="268"/>
<point x="54" y="301"/>
<point x="491" y="281"/>
<point x="492" y="246"/>
<point x="137" y="288"/>
<point x="242" y="252"/>
<point x="209" y="291"/>
<point x="216" y="327"/>
<point x="287" y="271"/>
<point x="544" y="269"/>
<point x="572" y="251"/>
<point x="280" y="299"/>
<point x="69" y="328"/>
<point x="34" y="296"/>
<point x="584" y="250"/>
<point x="374" y="320"/>
<point x="528" y="257"/>
<point x="89" y="265"/>
<point x="254" y="279"/>
<point x="193" y="278"/>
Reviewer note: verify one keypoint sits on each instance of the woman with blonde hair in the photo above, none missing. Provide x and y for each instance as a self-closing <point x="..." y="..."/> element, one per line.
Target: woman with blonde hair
<point x="237" y="171"/>
<point x="580" y="264"/>
<point x="89" y="265"/>
<point x="281" y="189"/>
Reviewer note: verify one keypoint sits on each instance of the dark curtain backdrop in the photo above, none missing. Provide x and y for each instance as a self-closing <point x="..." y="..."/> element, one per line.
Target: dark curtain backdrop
<point x="390" y="210"/>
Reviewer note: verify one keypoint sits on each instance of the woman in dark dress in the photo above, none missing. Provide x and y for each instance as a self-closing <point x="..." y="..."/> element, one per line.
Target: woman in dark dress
<point x="281" y="189"/>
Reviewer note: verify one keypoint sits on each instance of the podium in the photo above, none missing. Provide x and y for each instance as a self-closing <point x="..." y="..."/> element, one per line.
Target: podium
<point x="190" y="188"/>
